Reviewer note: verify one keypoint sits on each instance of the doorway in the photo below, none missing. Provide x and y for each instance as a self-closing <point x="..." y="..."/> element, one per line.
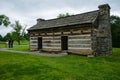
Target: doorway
<point x="39" y="43"/>
<point x="64" y="42"/>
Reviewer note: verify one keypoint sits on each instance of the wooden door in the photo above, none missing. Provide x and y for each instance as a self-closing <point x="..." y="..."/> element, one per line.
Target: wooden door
<point x="39" y="43"/>
<point x="64" y="42"/>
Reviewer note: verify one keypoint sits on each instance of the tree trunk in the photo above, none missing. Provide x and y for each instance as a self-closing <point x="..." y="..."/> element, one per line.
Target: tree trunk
<point x="18" y="42"/>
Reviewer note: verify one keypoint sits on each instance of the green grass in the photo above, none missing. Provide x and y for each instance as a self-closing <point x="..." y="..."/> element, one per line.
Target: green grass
<point x="3" y="44"/>
<point x="23" y="42"/>
<point x="23" y="47"/>
<point x="14" y="66"/>
<point x="20" y="48"/>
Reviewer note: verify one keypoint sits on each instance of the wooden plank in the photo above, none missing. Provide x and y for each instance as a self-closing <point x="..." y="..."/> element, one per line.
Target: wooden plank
<point x="51" y="41"/>
<point x="33" y="41"/>
<point x="87" y="31"/>
<point x="49" y="33"/>
<point x="42" y="34"/>
<point x="44" y="47"/>
<point x="51" y="50"/>
<point x="82" y="52"/>
<point x="52" y="45"/>
<point x="80" y="42"/>
<point x="51" y="38"/>
<point x="78" y="48"/>
<point x="79" y="35"/>
<point x="66" y="33"/>
<point x="78" y="31"/>
<point x="33" y="44"/>
<point x="33" y="38"/>
<point x="57" y="33"/>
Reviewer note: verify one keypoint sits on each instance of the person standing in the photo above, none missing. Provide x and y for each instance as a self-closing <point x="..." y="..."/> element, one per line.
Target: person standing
<point x="10" y="43"/>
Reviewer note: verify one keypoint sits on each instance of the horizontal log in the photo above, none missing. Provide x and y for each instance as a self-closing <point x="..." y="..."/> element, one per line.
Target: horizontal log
<point x="52" y="38"/>
<point x="49" y="33"/>
<point x="51" y="41"/>
<point x="33" y="41"/>
<point x="36" y="34"/>
<point x="80" y="42"/>
<point x="33" y="48"/>
<point x="86" y="31"/>
<point x="79" y="48"/>
<point x="57" y="33"/>
<point x="42" y="34"/>
<point x="44" y="47"/>
<point x="52" y="45"/>
<point x="79" y="35"/>
<point x="66" y="32"/>
<point x="33" y="44"/>
<point x="82" y="52"/>
<point x="33" y="38"/>
<point x="52" y="50"/>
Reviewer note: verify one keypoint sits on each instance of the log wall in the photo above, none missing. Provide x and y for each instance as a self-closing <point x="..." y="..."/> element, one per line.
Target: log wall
<point x="52" y="43"/>
<point x="33" y="43"/>
<point x="79" y="40"/>
<point x="80" y="44"/>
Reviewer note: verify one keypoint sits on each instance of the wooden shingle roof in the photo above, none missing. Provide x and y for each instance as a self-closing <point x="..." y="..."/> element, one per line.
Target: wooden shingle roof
<point x="84" y="18"/>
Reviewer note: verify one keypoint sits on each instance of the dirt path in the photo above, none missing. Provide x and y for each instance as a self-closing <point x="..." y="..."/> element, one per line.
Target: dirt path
<point x="35" y="53"/>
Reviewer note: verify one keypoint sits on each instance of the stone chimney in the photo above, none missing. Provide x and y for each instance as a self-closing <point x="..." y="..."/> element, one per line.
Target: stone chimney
<point x="104" y="20"/>
<point x="40" y="20"/>
<point x="104" y="10"/>
<point x="104" y="31"/>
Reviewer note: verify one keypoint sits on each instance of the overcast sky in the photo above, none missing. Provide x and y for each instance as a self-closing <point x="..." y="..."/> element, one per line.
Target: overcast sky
<point x="27" y="11"/>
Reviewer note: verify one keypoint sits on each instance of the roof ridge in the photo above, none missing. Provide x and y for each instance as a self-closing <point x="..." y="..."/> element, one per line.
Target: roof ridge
<point x="87" y="17"/>
<point x="73" y="15"/>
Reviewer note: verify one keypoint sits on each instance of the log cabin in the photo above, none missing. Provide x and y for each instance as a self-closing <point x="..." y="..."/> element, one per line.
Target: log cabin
<point x="85" y="34"/>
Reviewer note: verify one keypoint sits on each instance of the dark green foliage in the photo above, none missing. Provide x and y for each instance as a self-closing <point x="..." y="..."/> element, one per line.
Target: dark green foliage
<point x="8" y="36"/>
<point x="1" y="38"/>
<point x="63" y="15"/>
<point x="14" y="66"/>
<point x="115" y="29"/>
<point x="4" y="20"/>
<point x="26" y="36"/>
<point x="16" y="34"/>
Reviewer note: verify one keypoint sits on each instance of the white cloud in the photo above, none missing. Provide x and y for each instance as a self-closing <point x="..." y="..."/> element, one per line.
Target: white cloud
<point x="117" y="13"/>
<point x="27" y="11"/>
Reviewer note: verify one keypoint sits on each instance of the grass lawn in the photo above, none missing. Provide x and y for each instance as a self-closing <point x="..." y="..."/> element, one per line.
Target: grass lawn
<point x="14" y="66"/>
<point x="20" y="48"/>
<point x="23" y="47"/>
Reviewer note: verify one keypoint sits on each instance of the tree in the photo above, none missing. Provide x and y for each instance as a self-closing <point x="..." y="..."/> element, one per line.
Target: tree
<point x="115" y="29"/>
<point x="26" y="36"/>
<point x="4" y="20"/>
<point x="1" y="38"/>
<point x="7" y="36"/>
<point x="16" y="34"/>
<point x="63" y="15"/>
